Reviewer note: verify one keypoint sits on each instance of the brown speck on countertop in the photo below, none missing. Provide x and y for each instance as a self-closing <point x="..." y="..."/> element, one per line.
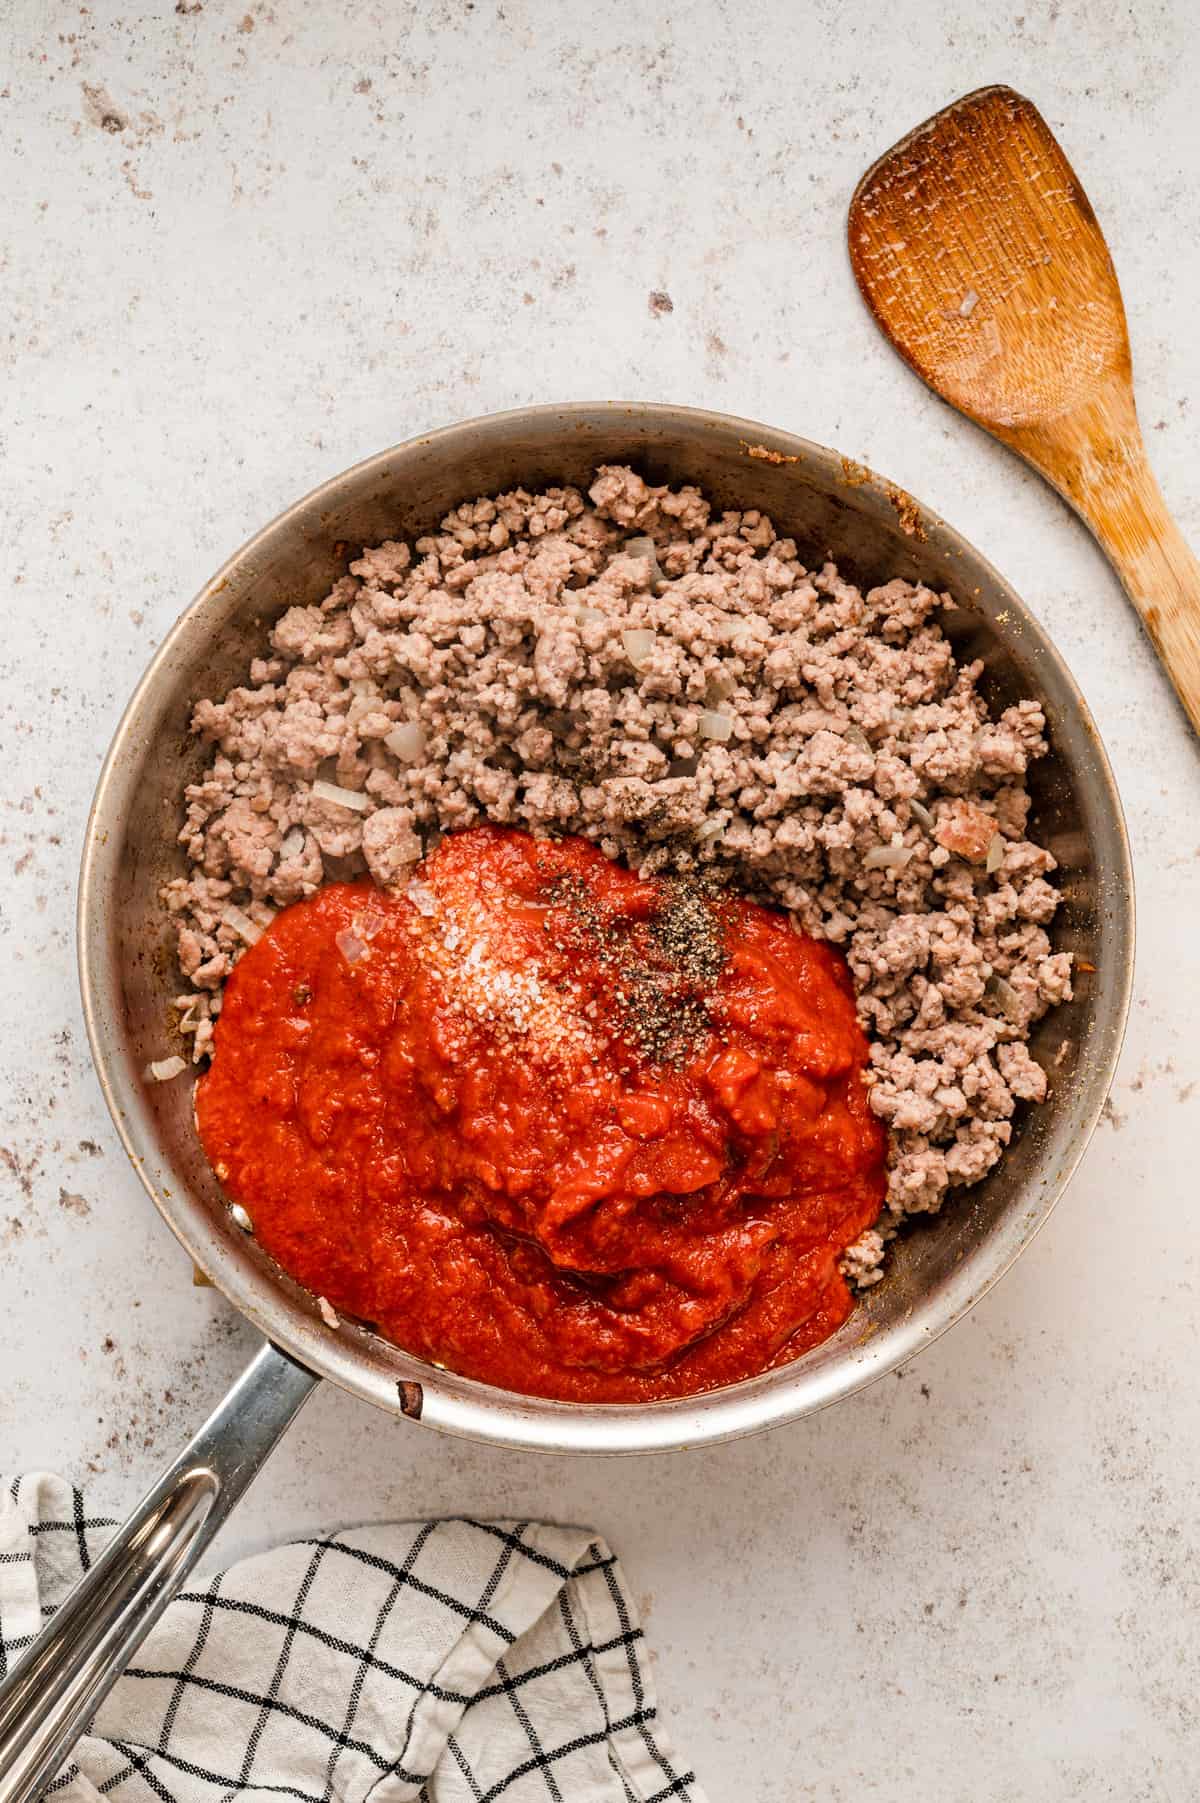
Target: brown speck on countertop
<point x="74" y="1203"/>
<point x="660" y="302"/>
<point x="21" y="1169"/>
<point x="1111" y="1115"/>
<point x="131" y="181"/>
<point x="101" y="110"/>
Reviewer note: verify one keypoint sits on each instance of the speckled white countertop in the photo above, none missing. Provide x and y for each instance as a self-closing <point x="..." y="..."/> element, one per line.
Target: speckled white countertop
<point x="245" y="248"/>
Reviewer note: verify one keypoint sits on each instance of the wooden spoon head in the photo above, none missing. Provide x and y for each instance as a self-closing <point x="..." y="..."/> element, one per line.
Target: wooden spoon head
<point x="978" y="253"/>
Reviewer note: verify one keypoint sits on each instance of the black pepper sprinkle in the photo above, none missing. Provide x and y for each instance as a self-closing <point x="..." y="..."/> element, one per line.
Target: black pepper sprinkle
<point x="665" y="968"/>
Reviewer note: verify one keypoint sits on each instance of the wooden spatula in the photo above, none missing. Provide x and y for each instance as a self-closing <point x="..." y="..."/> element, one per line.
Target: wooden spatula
<point x="979" y="255"/>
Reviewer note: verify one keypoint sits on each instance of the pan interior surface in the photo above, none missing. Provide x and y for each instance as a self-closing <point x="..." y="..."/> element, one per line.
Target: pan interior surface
<point x="832" y="507"/>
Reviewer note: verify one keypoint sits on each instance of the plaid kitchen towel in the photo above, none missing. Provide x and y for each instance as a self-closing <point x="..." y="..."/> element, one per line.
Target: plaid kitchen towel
<point x="443" y="1661"/>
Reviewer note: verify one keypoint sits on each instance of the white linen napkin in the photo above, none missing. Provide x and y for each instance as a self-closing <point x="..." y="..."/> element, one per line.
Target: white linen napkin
<point x="443" y="1661"/>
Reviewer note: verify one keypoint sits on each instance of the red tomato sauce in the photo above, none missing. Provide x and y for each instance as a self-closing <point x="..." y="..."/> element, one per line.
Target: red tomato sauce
<point x="552" y="1125"/>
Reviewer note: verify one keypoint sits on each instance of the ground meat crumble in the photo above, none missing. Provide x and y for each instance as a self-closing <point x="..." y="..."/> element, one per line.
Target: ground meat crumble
<point x="676" y="685"/>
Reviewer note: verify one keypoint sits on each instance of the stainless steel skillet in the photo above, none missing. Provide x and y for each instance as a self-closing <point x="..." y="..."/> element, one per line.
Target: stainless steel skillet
<point x="830" y="505"/>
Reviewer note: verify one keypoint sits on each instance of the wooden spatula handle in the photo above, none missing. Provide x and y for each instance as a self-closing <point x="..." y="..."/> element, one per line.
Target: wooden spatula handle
<point x="1096" y="458"/>
<point x="1161" y="576"/>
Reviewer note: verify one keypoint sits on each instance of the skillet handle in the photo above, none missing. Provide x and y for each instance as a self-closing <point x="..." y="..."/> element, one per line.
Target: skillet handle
<point x="56" y="1688"/>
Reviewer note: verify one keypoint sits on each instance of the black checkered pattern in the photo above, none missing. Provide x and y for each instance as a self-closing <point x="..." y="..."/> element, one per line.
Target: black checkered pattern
<point x="446" y="1662"/>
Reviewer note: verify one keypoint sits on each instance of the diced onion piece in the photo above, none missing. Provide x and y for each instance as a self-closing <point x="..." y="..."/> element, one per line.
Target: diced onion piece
<point x="345" y="798"/>
<point x="1002" y="991"/>
<point x="856" y="736"/>
<point x="327" y="1312"/>
<point x="161" y="1070"/>
<point x="713" y="827"/>
<point x="241" y="1218"/>
<point x="406" y="741"/>
<point x="968" y="303"/>
<point x="367" y="923"/>
<point x="716" y="726"/>
<point x="639" y="646"/>
<point x="920" y="813"/>
<point x="293" y="843"/>
<point x="995" y="854"/>
<point x="644" y="547"/>
<point x="586" y="616"/>
<point x="887" y="857"/>
<point x="243" y="926"/>
<point x="350" y="945"/>
<point x="422" y="898"/>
